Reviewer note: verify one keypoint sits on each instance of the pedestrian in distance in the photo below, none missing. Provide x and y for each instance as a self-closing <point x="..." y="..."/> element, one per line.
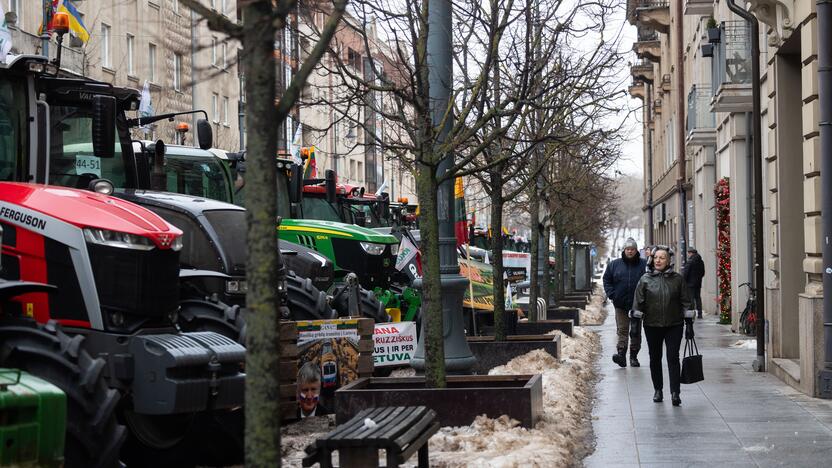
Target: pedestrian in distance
<point x="620" y="280"/>
<point x="693" y="272"/>
<point x="662" y="301"/>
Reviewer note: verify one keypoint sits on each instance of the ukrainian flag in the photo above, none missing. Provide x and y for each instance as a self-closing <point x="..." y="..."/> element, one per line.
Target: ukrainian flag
<point x="76" y="25"/>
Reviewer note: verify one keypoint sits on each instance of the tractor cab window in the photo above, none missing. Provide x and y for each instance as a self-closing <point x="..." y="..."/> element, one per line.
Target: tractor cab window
<point x="320" y="209"/>
<point x="371" y="219"/>
<point x="199" y="176"/>
<point x="72" y="162"/>
<point x="13" y="129"/>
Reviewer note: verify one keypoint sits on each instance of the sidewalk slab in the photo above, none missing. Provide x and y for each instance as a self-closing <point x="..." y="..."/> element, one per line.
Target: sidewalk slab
<point x="734" y="418"/>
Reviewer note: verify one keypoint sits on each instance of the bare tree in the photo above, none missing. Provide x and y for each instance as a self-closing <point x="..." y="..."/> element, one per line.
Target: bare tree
<point x="264" y="269"/>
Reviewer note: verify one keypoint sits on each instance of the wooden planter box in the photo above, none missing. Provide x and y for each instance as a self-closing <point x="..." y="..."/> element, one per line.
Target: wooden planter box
<point x="490" y="353"/>
<point x="465" y="397"/>
<point x="564" y="313"/>
<point x="541" y="327"/>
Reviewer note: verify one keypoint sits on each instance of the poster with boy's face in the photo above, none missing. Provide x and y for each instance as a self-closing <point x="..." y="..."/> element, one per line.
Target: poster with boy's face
<point x="332" y="346"/>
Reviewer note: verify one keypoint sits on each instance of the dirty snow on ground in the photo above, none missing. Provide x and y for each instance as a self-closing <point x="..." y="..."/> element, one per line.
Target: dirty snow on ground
<point x="594" y="313"/>
<point x="744" y="344"/>
<point x="559" y="439"/>
<point x="294" y="437"/>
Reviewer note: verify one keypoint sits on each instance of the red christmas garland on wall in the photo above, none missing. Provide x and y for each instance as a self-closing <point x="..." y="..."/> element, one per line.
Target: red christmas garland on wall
<point x="723" y="249"/>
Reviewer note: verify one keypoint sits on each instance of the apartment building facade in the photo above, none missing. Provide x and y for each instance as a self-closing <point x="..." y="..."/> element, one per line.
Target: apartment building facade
<point x="718" y="106"/>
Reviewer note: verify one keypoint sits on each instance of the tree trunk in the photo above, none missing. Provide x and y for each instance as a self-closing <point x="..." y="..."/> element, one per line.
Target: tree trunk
<point x="545" y="288"/>
<point x="262" y="409"/>
<point x="497" y="253"/>
<point x="433" y="327"/>
<point x="534" y="212"/>
<point x="559" y="236"/>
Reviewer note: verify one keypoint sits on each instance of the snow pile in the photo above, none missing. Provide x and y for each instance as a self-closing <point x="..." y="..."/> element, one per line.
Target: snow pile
<point x="561" y="438"/>
<point x="744" y="344"/>
<point x="594" y="313"/>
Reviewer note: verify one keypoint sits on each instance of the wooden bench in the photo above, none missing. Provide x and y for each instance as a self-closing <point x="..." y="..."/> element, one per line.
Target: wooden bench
<point x="400" y="430"/>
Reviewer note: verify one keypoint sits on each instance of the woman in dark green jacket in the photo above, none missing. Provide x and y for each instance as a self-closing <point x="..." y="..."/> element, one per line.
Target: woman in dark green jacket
<point x="662" y="301"/>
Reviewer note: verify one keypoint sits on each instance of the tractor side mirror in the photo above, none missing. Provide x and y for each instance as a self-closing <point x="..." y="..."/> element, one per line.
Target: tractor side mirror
<point x="204" y="134"/>
<point x="296" y="183"/>
<point x="104" y="126"/>
<point x="157" y="178"/>
<point x="329" y="180"/>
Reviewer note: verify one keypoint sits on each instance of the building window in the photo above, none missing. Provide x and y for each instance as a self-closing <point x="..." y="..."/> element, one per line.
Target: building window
<point x="105" y="46"/>
<point x="213" y="4"/>
<point x="215" y="113"/>
<point x="360" y="168"/>
<point x="175" y="6"/>
<point x="14" y="5"/>
<point x="130" y="42"/>
<point x="214" y="51"/>
<point x="352" y="173"/>
<point x="177" y="72"/>
<point x="224" y="7"/>
<point x="151" y="62"/>
<point x="243" y="88"/>
<point x="225" y="110"/>
<point x="354" y="59"/>
<point x="224" y="55"/>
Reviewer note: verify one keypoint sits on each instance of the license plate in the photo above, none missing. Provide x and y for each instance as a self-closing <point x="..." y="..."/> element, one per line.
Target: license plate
<point x="85" y="164"/>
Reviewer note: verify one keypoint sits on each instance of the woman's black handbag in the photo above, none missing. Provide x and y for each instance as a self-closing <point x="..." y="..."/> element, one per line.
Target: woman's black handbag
<point x="692" y="364"/>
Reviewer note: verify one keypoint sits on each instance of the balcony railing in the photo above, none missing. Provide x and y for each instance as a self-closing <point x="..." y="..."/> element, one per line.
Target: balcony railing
<point x="731" y="68"/>
<point x="700" y="119"/>
<point x="699" y="112"/>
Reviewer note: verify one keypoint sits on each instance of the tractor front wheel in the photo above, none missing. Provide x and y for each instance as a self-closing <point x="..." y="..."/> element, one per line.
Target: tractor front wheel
<point x="94" y="436"/>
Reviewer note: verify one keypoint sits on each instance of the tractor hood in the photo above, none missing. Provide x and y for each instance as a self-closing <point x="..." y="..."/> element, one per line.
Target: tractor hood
<point x="188" y="203"/>
<point x="24" y="203"/>
<point x="337" y="230"/>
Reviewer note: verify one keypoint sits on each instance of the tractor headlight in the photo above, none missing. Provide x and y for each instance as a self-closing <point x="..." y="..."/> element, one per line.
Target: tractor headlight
<point x="236" y="287"/>
<point x="394" y="249"/>
<point x="117" y="239"/>
<point x="373" y="249"/>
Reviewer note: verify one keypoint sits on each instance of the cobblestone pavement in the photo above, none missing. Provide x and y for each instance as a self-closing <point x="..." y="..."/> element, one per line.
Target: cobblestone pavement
<point x="735" y="417"/>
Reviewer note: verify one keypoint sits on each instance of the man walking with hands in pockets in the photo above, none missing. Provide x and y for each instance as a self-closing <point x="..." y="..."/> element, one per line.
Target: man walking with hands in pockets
<point x="620" y="280"/>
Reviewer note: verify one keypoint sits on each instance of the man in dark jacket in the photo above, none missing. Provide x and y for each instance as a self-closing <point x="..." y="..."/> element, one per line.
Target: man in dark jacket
<point x="620" y="280"/>
<point x="693" y="272"/>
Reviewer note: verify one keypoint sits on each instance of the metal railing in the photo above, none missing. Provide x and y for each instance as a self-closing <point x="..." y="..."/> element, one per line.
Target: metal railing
<point x="652" y="4"/>
<point x="699" y="108"/>
<point x="732" y="56"/>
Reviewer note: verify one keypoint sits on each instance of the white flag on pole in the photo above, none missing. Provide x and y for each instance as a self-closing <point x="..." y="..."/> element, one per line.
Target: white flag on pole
<point x="406" y="253"/>
<point x="5" y="36"/>
<point x="145" y="106"/>
<point x="295" y="148"/>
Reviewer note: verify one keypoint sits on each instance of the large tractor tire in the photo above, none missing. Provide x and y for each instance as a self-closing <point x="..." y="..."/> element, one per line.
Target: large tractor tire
<point x="94" y="436"/>
<point x="306" y="302"/>
<point x="206" y="315"/>
<point x="368" y="305"/>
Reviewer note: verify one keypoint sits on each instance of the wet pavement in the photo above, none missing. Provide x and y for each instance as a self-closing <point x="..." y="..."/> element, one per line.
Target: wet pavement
<point x="734" y="418"/>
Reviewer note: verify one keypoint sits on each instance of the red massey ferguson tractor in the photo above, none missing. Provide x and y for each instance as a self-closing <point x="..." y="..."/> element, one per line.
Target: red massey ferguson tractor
<point x="139" y="391"/>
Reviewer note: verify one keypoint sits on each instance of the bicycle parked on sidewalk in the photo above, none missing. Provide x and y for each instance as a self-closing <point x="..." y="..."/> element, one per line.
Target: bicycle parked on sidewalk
<point x="748" y="318"/>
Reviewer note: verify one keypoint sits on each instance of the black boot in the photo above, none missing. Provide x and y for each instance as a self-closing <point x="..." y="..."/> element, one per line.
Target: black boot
<point x="633" y="359"/>
<point x="675" y="398"/>
<point x="658" y="397"/>
<point x="620" y="358"/>
<point x="699" y="314"/>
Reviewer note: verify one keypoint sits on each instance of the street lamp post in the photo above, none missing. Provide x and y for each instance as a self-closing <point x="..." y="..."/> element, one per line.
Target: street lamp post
<point x="458" y="357"/>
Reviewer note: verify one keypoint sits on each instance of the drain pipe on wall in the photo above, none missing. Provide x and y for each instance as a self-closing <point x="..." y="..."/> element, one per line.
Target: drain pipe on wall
<point x="759" y="278"/>
<point x="649" y="91"/>
<point x="824" y="19"/>
<point x="680" y="126"/>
